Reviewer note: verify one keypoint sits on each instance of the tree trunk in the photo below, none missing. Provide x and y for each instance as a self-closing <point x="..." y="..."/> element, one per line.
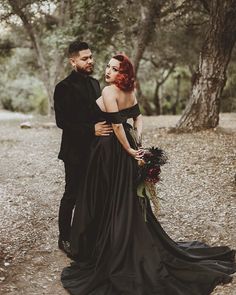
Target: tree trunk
<point x="164" y="76"/>
<point x="145" y="104"/>
<point x="47" y="75"/>
<point x="202" y="111"/>
<point x="177" y="98"/>
<point x="147" y="27"/>
<point x="157" y="99"/>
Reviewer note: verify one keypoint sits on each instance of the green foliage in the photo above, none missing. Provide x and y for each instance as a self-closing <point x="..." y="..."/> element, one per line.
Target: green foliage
<point x="6" y="46"/>
<point x="108" y="26"/>
<point x="24" y="95"/>
<point x="228" y="101"/>
<point x="178" y="84"/>
<point x="18" y="90"/>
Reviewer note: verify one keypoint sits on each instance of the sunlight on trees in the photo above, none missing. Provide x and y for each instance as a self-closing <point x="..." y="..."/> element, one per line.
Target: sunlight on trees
<point x="163" y="38"/>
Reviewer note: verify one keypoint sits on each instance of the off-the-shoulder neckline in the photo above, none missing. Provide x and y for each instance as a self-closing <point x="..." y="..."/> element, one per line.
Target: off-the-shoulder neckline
<point x="119" y="110"/>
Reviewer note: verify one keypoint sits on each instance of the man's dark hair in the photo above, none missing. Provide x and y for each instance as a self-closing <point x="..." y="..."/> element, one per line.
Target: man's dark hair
<point x="76" y="46"/>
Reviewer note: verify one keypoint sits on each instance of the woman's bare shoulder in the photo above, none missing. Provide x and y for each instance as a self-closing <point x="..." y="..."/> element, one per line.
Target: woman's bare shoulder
<point x="110" y="89"/>
<point x="110" y="92"/>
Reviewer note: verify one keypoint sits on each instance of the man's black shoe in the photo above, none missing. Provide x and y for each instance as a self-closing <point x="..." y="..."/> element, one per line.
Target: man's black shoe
<point x="64" y="246"/>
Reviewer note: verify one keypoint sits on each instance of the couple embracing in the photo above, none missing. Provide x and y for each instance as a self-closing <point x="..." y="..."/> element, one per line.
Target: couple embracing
<point x="115" y="251"/>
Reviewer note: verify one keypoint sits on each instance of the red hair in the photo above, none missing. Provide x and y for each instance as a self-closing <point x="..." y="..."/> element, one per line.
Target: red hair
<point x="125" y="78"/>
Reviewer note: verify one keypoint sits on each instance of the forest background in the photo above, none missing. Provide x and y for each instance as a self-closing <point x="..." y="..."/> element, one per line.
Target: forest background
<point x="185" y="60"/>
<point x="183" y="52"/>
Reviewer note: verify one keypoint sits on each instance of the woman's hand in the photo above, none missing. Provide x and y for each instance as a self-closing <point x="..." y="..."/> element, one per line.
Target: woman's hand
<point x="137" y="154"/>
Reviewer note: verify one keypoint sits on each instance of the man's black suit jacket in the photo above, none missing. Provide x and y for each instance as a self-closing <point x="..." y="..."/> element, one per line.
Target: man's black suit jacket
<point x="74" y="100"/>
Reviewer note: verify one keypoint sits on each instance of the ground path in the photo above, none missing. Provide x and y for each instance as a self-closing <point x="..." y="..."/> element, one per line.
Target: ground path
<point x="198" y="191"/>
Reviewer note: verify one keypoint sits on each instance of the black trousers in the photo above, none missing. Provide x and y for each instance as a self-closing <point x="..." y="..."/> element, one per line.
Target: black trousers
<point x="73" y="187"/>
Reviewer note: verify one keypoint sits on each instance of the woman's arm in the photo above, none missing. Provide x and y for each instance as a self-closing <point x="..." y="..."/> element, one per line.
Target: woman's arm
<point x="138" y="126"/>
<point x="110" y="103"/>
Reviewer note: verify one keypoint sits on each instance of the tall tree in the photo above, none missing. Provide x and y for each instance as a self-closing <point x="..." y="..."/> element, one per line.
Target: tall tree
<point x="203" y="109"/>
<point x="37" y="23"/>
<point x="148" y="22"/>
<point x="164" y="75"/>
<point x="151" y="15"/>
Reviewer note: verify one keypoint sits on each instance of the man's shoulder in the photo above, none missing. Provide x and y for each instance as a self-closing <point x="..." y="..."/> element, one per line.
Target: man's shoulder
<point x="63" y="82"/>
<point x="94" y="79"/>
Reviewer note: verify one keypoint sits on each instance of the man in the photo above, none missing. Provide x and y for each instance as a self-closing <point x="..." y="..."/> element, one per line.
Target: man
<point x="74" y="98"/>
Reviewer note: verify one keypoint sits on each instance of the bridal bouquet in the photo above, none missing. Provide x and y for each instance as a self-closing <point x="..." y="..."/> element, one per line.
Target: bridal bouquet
<point x="150" y="165"/>
<point x="149" y="175"/>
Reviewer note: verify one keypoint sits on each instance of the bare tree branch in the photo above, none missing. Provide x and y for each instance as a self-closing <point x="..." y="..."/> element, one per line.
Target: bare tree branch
<point x="206" y="5"/>
<point x="48" y="74"/>
<point x="147" y="27"/>
<point x="174" y="8"/>
<point x="166" y="76"/>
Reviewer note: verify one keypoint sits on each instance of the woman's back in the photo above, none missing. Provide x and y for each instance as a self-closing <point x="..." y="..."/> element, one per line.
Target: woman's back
<point x="124" y="99"/>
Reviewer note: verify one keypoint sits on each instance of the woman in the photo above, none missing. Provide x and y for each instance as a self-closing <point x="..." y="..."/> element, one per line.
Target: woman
<point x="116" y="252"/>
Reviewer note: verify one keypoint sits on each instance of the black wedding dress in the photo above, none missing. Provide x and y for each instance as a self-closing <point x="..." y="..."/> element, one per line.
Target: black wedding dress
<point x="117" y="252"/>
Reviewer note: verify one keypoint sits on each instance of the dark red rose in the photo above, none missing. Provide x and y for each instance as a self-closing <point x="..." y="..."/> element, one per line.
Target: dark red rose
<point x="153" y="174"/>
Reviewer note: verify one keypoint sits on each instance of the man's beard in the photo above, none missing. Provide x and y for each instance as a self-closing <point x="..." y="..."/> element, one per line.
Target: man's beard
<point x="87" y="71"/>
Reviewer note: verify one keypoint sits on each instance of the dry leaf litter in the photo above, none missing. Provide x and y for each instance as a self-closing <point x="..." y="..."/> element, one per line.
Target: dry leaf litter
<point x="198" y="192"/>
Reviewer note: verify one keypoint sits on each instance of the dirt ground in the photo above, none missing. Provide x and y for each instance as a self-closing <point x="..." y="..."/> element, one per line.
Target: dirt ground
<point x="198" y="194"/>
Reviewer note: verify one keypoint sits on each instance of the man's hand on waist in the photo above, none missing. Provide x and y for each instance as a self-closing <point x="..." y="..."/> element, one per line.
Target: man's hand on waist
<point x="103" y="129"/>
